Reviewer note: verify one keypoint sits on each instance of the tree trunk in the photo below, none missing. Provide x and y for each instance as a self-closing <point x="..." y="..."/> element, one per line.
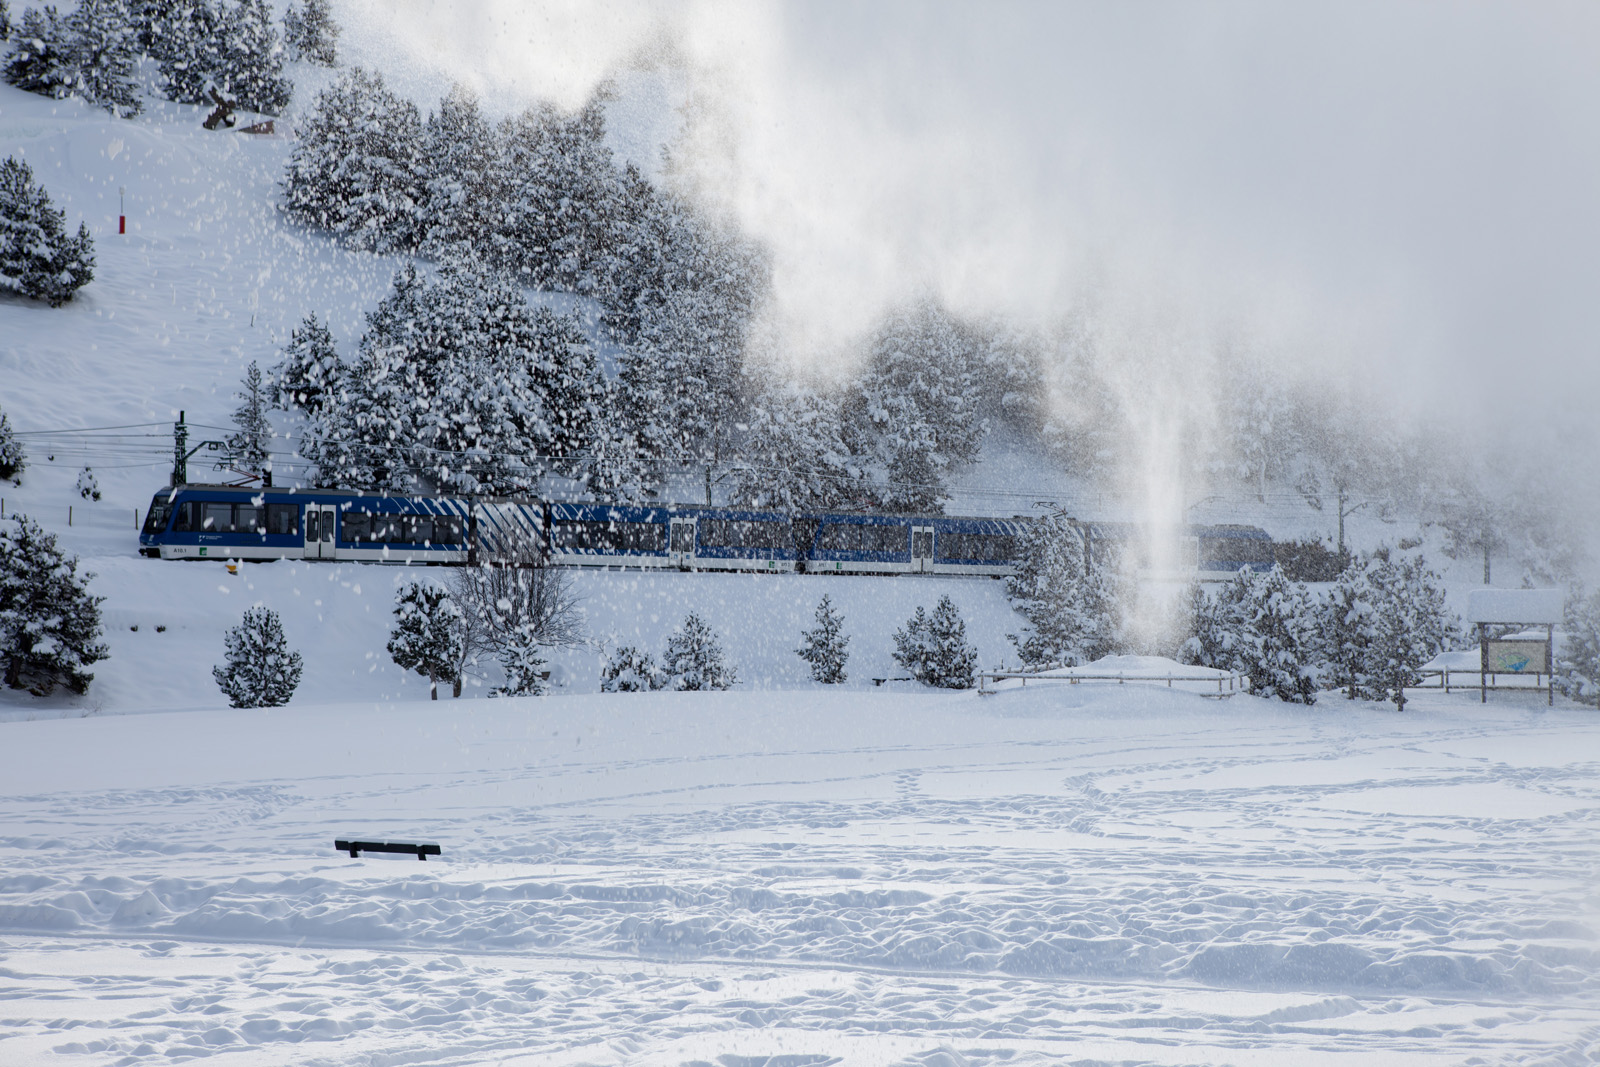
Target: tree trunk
<point x="455" y="687"/>
<point x="1486" y="564"/>
<point x="433" y="686"/>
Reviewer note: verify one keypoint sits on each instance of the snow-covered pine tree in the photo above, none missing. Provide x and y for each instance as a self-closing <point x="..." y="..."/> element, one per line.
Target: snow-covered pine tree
<point x="1347" y="621"/>
<point x="13" y="457"/>
<point x="186" y="41"/>
<point x="1578" y="665"/>
<point x="1217" y="633"/>
<point x="913" y="405"/>
<point x="521" y="663"/>
<point x="824" y="647"/>
<point x="912" y="645"/>
<point x="103" y="47"/>
<point x="427" y="634"/>
<point x="1410" y="626"/>
<point x="629" y="670"/>
<point x="251" y="70"/>
<point x="462" y="177"/>
<point x="951" y="660"/>
<point x="311" y="34"/>
<point x="793" y="456"/>
<point x="49" y="621"/>
<point x="37" y="257"/>
<point x="88" y="484"/>
<point x="1067" y="593"/>
<point x="1279" y="653"/>
<point x="250" y="444"/>
<point x="41" y="60"/>
<point x="260" y="671"/>
<point x="357" y="169"/>
<point x="694" y="659"/>
<point x="5" y="21"/>
<point x="308" y="375"/>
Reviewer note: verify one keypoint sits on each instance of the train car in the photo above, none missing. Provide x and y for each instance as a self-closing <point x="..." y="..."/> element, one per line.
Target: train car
<point x="686" y="538"/>
<point x="905" y="544"/>
<point x="1210" y="553"/>
<point x="225" y="522"/>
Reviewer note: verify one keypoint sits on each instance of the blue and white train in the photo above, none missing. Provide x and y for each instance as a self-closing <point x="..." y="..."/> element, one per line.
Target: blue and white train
<point x="224" y="522"/>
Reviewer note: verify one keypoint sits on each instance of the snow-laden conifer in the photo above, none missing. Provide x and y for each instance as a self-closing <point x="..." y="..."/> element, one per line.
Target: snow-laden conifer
<point x="5" y="20"/>
<point x="427" y="634"/>
<point x="463" y="181"/>
<point x="1578" y="665"/>
<point x="694" y="659"/>
<point x="311" y="34"/>
<point x="250" y="444"/>
<point x="13" y="457"/>
<point x="307" y="376"/>
<point x="1410" y="625"/>
<point x="1348" y="624"/>
<point x="824" y="647"/>
<point x="37" y="257"/>
<point x="521" y="664"/>
<point x="260" y="669"/>
<point x="104" y="49"/>
<point x="1217" y="632"/>
<point x="88" y="485"/>
<point x="357" y="169"/>
<point x="793" y="456"/>
<point x="1280" y="649"/>
<point x="40" y="59"/>
<point x="1067" y="593"/>
<point x="251" y="69"/>
<point x="934" y="647"/>
<point x="630" y="670"/>
<point x="186" y="41"/>
<point x="49" y="621"/>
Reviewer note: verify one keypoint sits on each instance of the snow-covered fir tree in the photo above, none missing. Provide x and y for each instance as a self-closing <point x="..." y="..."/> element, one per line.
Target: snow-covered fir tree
<point x="1068" y="593"/>
<point x="934" y="647"/>
<point x="629" y="670"/>
<point x="41" y="60"/>
<point x="250" y="444"/>
<point x="694" y="659"/>
<point x="1578" y="664"/>
<point x="308" y="375"/>
<point x="357" y="169"/>
<point x="37" y="256"/>
<point x="1280" y="649"/>
<point x="793" y="456"/>
<point x="13" y="457"/>
<point x="49" y="621"/>
<point x="88" y="485"/>
<point x="1347" y="622"/>
<point x="521" y="664"/>
<point x="5" y="20"/>
<point x="913" y="406"/>
<point x="1217" y="636"/>
<point x="260" y="670"/>
<point x="310" y="33"/>
<point x="186" y="41"/>
<point x="824" y="647"/>
<point x="462" y="194"/>
<point x="104" y="49"/>
<point x="251" y="70"/>
<point x="1410" y="625"/>
<point x="427" y="634"/>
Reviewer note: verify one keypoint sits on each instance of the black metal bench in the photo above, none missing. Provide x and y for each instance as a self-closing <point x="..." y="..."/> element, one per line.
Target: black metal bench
<point x="355" y="848"/>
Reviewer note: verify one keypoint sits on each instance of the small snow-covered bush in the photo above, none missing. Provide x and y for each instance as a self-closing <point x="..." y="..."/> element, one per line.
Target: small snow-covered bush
<point x="824" y="647"/>
<point x="694" y="659"/>
<point x="261" y="671"/>
<point x="934" y="647"/>
<point x="629" y="670"/>
<point x="49" y="622"/>
<point x="520" y="662"/>
<point x="427" y="636"/>
<point x="13" y="458"/>
<point x="37" y="258"/>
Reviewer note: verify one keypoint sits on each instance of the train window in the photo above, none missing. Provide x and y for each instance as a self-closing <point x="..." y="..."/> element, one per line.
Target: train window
<point x="1235" y="550"/>
<point x="356" y="526"/>
<point x="216" y="518"/>
<point x="447" y="530"/>
<point x="883" y="539"/>
<point x="187" y="520"/>
<point x="646" y="536"/>
<point x="742" y="533"/>
<point x="839" y="538"/>
<point x="976" y="546"/>
<point x="283" y="519"/>
<point x="385" y="528"/>
<point x="156" y="520"/>
<point x="247" y="518"/>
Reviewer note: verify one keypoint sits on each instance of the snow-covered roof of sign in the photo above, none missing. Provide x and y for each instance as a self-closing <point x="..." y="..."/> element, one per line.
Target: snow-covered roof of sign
<point x="1515" y="605"/>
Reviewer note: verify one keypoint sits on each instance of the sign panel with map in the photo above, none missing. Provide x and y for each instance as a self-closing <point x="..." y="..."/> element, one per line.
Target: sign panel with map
<point x="1515" y="657"/>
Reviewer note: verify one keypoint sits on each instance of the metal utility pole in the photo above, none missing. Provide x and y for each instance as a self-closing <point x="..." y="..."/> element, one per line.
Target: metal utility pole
<point x="180" y="452"/>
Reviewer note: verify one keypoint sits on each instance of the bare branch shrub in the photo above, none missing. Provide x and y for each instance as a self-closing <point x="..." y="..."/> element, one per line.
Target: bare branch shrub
<point x="517" y="593"/>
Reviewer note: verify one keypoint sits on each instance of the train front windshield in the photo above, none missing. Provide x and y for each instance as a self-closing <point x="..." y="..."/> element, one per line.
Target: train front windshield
<point x="160" y="512"/>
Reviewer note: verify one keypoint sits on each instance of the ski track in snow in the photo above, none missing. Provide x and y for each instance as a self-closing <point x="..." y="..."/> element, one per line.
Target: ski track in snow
<point x="1142" y="878"/>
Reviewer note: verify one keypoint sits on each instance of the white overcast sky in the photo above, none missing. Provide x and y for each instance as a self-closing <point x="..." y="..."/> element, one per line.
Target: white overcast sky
<point x="1402" y="191"/>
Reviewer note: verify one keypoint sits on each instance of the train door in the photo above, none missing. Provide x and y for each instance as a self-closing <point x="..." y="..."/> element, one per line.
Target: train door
<point x="680" y="546"/>
<point x="922" y="549"/>
<point x="320" y="522"/>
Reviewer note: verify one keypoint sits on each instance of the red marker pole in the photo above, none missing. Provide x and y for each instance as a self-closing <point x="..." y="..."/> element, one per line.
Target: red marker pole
<point x="122" y="210"/>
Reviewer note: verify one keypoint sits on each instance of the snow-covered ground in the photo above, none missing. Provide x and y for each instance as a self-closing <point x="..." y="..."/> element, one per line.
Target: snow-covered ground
<point x="1083" y="874"/>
